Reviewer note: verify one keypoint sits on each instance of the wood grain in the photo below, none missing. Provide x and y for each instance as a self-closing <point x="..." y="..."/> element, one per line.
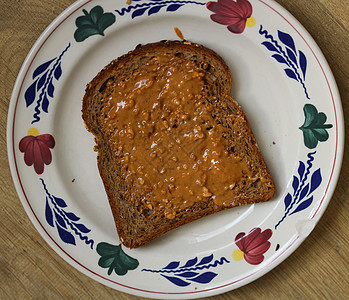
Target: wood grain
<point x="30" y="269"/>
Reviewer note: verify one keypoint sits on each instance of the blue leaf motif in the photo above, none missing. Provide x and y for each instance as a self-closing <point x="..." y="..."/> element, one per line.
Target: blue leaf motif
<point x="301" y="169"/>
<point x="190" y="263"/>
<point x="288" y="52"/>
<point x="60" y="202"/>
<point x="48" y="214"/>
<point x="280" y="59"/>
<point x="45" y="103"/>
<point x="60" y="220"/>
<point x="287" y="40"/>
<point x="304" y="192"/>
<point x="57" y="217"/>
<point x="72" y="216"/>
<point x="172" y="265"/>
<point x="187" y="274"/>
<point x="305" y="204"/>
<point x="65" y="235"/>
<point x="191" y="271"/>
<point x="58" y="72"/>
<point x="295" y="184"/>
<point x="50" y="89"/>
<point x="291" y="74"/>
<point x="292" y="56"/>
<point x="270" y="46"/>
<point x="173" y="7"/>
<point x="42" y="68"/>
<point x="139" y="12"/>
<point x="41" y="81"/>
<point x="205" y="260"/>
<point x="316" y="180"/>
<point x="287" y="200"/>
<point x="303" y="63"/>
<point x="176" y="281"/>
<point x="30" y="93"/>
<point x="204" y="277"/>
<point x="303" y="188"/>
<point x="155" y="9"/>
<point x="82" y="228"/>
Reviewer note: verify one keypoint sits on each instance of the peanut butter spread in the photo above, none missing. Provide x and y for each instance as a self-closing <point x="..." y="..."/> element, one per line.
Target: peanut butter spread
<point x="169" y="144"/>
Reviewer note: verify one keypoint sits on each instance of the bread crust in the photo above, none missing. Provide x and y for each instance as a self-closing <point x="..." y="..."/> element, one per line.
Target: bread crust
<point x="134" y="227"/>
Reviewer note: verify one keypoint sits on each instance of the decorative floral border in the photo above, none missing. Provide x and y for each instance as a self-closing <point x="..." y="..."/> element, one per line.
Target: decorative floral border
<point x="251" y="246"/>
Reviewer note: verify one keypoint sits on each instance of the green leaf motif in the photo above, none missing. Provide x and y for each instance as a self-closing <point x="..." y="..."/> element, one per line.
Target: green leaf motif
<point x="114" y="258"/>
<point x="314" y="127"/>
<point x="94" y="22"/>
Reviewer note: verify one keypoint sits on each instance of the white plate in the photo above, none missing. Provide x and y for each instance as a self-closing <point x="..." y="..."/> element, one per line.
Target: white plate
<point x="282" y="82"/>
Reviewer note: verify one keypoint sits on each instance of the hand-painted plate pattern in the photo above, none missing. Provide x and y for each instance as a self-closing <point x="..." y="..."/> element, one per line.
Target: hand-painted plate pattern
<point x="285" y="87"/>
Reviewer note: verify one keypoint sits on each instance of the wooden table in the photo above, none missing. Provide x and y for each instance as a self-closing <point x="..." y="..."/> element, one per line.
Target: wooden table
<point x="29" y="268"/>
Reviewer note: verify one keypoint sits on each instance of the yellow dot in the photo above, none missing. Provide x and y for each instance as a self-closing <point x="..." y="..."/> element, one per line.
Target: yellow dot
<point x="33" y="131"/>
<point x="250" y="22"/>
<point x="238" y="255"/>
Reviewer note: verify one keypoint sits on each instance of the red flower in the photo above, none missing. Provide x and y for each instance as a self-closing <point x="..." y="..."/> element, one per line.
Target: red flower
<point x="231" y="13"/>
<point x="253" y="245"/>
<point x="37" y="150"/>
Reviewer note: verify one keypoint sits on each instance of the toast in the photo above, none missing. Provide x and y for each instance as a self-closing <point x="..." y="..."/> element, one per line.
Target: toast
<point x="173" y="145"/>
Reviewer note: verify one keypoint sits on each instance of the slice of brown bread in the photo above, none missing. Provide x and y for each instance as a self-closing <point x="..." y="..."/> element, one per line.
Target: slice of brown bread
<point x="173" y="146"/>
